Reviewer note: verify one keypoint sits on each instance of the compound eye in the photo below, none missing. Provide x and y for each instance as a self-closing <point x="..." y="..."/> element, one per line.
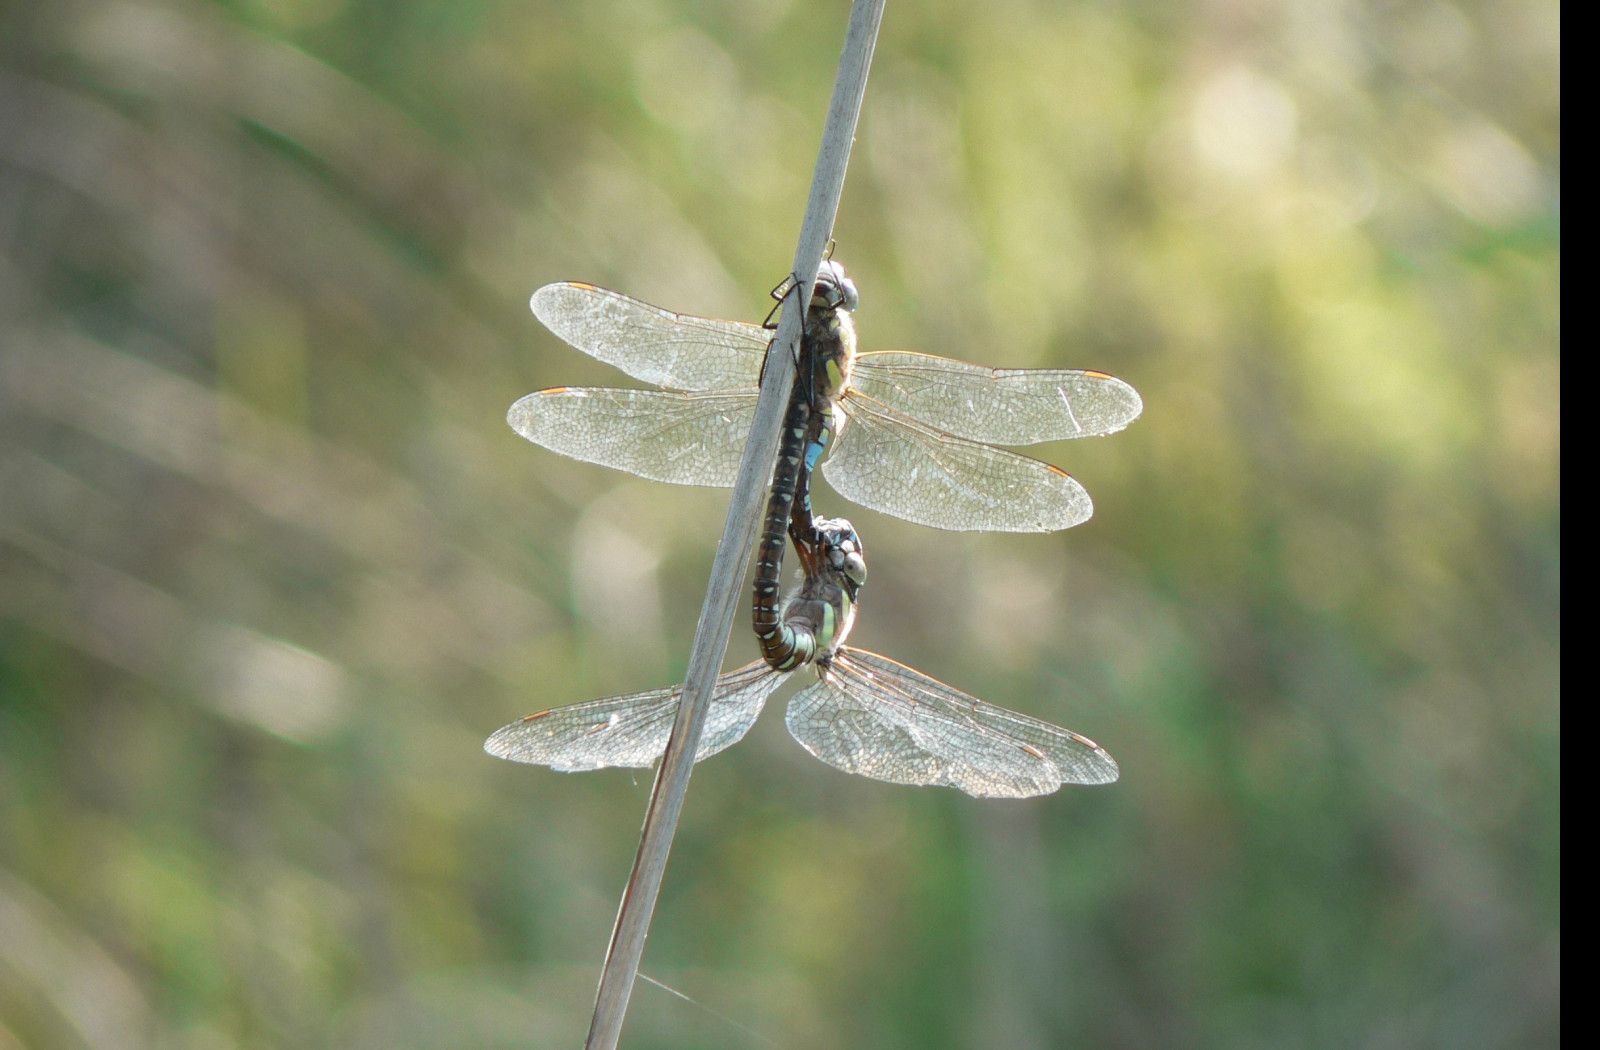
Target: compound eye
<point x="849" y="298"/>
<point x="834" y="289"/>
<point x="855" y="568"/>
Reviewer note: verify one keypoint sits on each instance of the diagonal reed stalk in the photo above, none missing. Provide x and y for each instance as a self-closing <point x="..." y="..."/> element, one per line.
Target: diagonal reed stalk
<point x="738" y="533"/>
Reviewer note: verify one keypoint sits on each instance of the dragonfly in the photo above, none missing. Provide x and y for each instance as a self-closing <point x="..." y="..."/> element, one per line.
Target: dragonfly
<point x="810" y="422"/>
<point x="914" y="435"/>
<point x="865" y="714"/>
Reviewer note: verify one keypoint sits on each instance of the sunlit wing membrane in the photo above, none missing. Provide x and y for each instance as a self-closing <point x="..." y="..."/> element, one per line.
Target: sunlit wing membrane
<point x="1080" y="760"/>
<point x="677" y="351"/>
<point x="869" y="724"/>
<point x="918" y="438"/>
<point x="891" y="463"/>
<point x="1003" y="406"/>
<point x="632" y="730"/>
<point x="682" y="438"/>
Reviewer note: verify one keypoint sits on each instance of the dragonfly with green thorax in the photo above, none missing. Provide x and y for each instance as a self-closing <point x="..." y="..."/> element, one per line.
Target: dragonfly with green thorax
<point x="865" y="713"/>
<point x="911" y="435"/>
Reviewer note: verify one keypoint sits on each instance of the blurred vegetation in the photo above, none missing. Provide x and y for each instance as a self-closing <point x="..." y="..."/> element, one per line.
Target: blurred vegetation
<point x="272" y="565"/>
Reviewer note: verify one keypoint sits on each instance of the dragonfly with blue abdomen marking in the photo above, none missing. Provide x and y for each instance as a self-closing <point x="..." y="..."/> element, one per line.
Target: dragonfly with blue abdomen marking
<point x="913" y="435"/>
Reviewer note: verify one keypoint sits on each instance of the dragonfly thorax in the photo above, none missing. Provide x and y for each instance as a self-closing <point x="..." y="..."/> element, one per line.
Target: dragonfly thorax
<point x="829" y="345"/>
<point x="820" y="614"/>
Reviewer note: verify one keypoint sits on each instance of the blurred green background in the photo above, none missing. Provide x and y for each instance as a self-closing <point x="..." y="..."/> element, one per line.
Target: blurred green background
<point x="272" y="565"/>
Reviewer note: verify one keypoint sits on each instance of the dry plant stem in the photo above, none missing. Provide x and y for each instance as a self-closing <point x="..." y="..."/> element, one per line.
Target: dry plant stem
<point x="738" y="533"/>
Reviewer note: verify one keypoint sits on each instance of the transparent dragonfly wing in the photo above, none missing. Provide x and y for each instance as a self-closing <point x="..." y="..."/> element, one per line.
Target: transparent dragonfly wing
<point x="663" y="435"/>
<point x="889" y="462"/>
<point x="875" y="717"/>
<point x="1002" y="406"/>
<point x="1081" y="760"/>
<point x="632" y="730"/>
<point x="677" y="351"/>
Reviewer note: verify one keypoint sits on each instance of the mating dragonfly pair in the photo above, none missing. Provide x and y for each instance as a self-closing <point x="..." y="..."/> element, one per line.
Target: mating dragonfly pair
<point x="908" y="434"/>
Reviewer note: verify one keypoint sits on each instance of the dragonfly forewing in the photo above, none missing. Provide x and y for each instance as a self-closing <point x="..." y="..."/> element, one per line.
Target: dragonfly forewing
<point x="663" y="435"/>
<point x="1003" y="406"/>
<point x="894" y="464"/>
<point x="677" y="351"/>
<point x="632" y="730"/>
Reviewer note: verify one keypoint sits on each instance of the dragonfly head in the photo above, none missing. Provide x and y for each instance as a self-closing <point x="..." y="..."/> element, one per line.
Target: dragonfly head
<point x="834" y="290"/>
<point x="839" y="552"/>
